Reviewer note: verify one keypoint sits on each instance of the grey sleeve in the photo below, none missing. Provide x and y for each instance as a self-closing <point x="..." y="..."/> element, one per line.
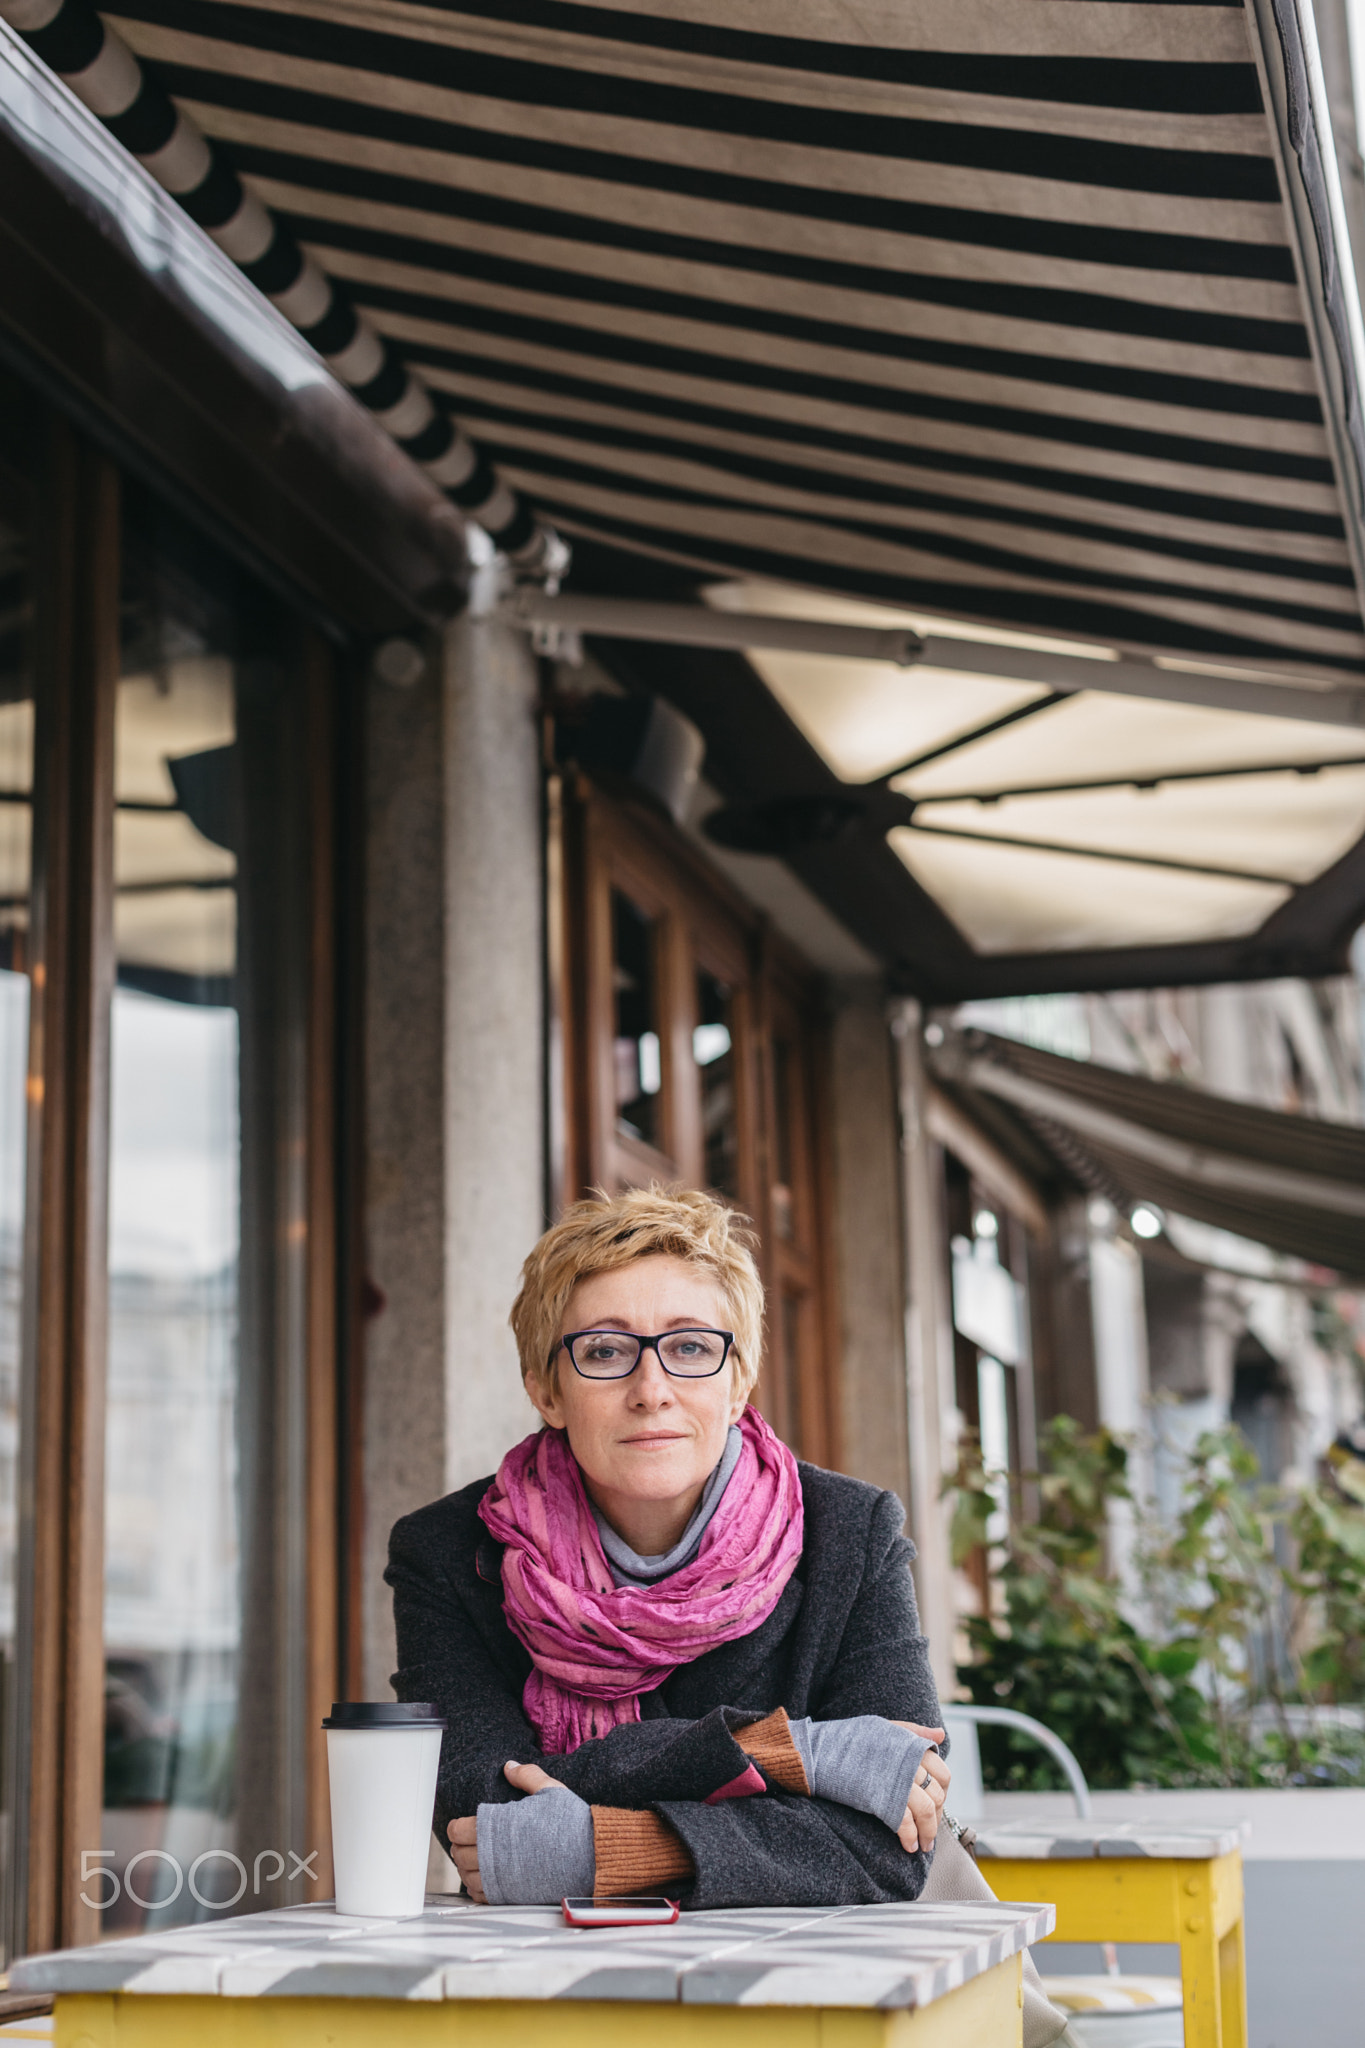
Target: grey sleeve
<point x="863" y="1762"/>
<point x="537" y="1851"/>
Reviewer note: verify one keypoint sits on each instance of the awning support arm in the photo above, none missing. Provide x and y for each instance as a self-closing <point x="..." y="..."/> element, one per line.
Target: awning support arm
<point x="995" y="796"/>
<point x="1112" y="853"/>
<point x="697" y="625"/>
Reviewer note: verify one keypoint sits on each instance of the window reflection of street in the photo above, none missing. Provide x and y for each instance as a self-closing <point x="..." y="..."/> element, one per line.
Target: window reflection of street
<point x="636" y="1044"/>
<point x="172" y="1592"/>
<point x="713" y="1051"/>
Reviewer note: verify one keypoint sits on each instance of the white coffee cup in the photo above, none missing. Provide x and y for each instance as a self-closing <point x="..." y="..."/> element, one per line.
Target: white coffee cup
<point x="381" y="1769"/>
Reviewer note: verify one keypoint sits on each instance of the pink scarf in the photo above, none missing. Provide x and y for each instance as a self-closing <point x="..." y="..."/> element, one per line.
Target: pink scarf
<point x="597" y="1647"/>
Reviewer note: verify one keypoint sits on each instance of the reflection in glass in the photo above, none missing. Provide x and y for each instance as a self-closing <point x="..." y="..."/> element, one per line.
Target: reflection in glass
<point x="785" y="1111"/>
<point x="713" y="1052"/>
<point x="172" y="1570"/>
<point x="16" y="780"/>
<point x="206" y="1431"/>
<point x="790" y="1418"/>
<point x="635" y="1045"/>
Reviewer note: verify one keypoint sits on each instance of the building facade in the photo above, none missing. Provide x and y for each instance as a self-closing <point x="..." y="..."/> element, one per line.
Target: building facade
<point x="350" y="927"/>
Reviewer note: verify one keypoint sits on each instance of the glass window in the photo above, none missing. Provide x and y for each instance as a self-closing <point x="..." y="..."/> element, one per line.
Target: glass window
<point x="713" y="1051"/>
<point x="203" y="1430"/>
<point x="638" y="1064"/>
<point x="16" y="781"/>
<point x="172" y="1532"/>
<point x="791" y="1420"/>
<point x="785" y="1111"/>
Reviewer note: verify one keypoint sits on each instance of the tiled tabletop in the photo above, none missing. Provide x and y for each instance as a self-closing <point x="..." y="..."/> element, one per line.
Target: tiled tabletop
<point x="884" y="1956"/>
<point x="1038" y="1840"/>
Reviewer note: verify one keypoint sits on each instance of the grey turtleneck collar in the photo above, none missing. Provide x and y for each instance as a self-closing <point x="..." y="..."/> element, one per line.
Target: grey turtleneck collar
<point x="628" y="1568"/>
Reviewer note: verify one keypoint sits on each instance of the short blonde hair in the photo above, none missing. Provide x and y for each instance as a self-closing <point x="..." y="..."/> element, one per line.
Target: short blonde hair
<point x="606" y="1232"/>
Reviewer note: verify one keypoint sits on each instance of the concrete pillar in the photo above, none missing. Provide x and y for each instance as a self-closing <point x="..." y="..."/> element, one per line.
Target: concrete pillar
<point x="494" y="1049"/>
<point x="1225" y="1042"/>
<point x="1123" y="1386"/>
<point x="867" y="1241"/>
<point x="403" y="1385"/>
<point x="931" y="1407"/>
<point x="453" y="1076"/>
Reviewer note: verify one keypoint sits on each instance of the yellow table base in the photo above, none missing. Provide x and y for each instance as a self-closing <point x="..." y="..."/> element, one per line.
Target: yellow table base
<point x="985" y="2013"/>
<point x="1151" y="1899"/>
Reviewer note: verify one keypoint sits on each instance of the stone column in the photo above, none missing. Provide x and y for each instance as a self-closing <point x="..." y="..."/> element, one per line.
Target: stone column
<point x="494" y="1043"/>
<point x="453" y="1075"/>
<point x="403" y="1387"/>
<point x="1122" y="1385"/>
<point x="867" y="1240"/>
<point x="931" y="1407"/>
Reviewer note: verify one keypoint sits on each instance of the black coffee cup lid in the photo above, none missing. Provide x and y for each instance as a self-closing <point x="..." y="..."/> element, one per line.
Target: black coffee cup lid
<point x="384" y="1714"/>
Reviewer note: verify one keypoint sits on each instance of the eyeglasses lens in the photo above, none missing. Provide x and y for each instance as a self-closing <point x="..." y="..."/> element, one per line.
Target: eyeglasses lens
<point x="692" y="1352"/>
<point x="605" y="1355"/>
<point x="612" y="1354"/>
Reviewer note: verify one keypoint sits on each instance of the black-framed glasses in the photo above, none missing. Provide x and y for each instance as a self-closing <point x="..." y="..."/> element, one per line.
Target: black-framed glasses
<point x="614" y="1354"/>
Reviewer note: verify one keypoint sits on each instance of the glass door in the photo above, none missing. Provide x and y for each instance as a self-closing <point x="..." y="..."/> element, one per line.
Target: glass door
<point x="168" y="1554"/>
<point x="172" y="1589"/>
<point x="206" y="1452"/>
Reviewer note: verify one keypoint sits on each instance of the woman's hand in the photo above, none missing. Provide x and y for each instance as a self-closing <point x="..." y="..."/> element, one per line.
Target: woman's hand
<point x="464" y="1850"/>
<point x="464" y="1833"/>
<point x="920" y="1825"/>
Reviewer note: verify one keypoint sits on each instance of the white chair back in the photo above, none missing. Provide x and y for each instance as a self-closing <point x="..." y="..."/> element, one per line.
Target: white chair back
<point x="966" y="1798"/>
<point x="961" y="1722"/>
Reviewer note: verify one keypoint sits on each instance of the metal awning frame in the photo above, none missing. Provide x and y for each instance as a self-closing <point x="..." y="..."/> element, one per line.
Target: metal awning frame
<point x="1292" y="1183"/>
<point x="697" y="625"/>
<point x="756" y="755"/>
<point x="1284" y="42"/>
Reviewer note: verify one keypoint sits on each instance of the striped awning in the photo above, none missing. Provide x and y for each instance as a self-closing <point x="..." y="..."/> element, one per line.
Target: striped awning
<point x="993" y="311"/>
<point x="1295" y="1183"/>
<point x="1033" y="323"/>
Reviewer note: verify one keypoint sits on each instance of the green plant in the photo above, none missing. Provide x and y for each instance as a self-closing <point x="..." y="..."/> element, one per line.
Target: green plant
<point x="1216" y="1583"/>
<point x="1328" y="1531"/>
<point x="1267" y="1584"/>
<point x="1254" y="1624"/>
<point x="1059" y="1647"/>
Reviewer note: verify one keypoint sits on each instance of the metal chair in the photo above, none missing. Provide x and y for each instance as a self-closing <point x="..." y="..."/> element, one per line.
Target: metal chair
<point x="961" y="1723"/>
<point x="1112" y="2011"/>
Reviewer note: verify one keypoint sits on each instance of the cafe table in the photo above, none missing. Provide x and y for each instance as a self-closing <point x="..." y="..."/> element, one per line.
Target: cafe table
<point x="465" y="1976"/>
<point x="1153" y="1880"/>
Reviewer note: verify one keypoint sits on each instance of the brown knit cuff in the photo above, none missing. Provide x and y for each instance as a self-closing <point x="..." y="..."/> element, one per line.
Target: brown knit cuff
<point x="769" y="1743"/>
<point x="636" y="1852"/>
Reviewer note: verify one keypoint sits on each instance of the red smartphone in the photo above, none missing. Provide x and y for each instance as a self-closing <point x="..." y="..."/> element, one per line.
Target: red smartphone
<point x="620" y="1912"/>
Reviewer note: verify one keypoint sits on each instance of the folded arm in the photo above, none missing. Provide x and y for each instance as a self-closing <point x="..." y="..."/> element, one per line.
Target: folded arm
<point x="547" y="1848"/>
<point x="544" y="1849"/>
<point x="660" y="1818"/>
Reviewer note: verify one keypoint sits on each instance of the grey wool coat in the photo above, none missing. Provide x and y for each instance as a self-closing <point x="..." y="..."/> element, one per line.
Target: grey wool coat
<point x="843" y="1639"/>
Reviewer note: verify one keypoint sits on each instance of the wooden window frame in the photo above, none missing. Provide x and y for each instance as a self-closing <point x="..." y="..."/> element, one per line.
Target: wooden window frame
<point x="58" y="1733"/>
<point x="55" y="1736"/>
<point x="798" y="1266"/>
<point x="604" y="841"/>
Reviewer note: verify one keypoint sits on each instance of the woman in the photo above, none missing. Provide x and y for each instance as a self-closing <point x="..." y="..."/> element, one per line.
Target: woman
<point x="702" y="1658"/>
